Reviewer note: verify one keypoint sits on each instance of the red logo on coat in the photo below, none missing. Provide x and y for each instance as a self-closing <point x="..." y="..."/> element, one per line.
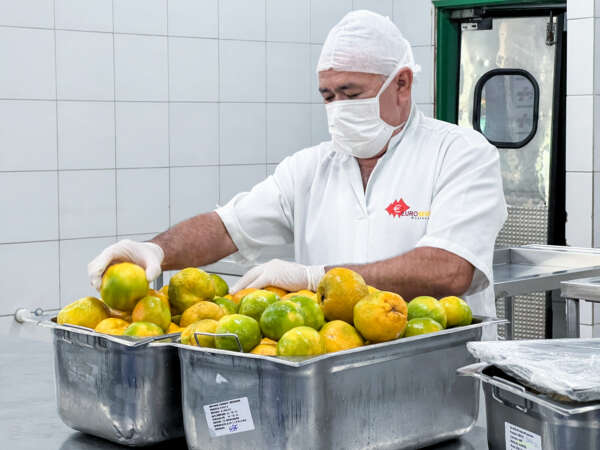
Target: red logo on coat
<point x="397" y="208"/>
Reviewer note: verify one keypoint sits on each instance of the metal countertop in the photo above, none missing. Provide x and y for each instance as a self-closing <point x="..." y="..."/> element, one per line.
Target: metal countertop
<point x="28" y="416"/>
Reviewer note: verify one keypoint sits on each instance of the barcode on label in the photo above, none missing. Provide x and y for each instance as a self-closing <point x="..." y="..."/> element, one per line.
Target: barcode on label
<point x="229" y="417"/>
<point x="517" y="438"/>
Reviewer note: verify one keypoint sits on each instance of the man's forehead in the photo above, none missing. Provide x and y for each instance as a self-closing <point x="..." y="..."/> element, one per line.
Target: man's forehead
<point x="329" y="79"/>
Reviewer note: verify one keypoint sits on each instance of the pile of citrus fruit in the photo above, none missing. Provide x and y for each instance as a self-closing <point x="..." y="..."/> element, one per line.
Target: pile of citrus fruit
<point x="344" y="313"/>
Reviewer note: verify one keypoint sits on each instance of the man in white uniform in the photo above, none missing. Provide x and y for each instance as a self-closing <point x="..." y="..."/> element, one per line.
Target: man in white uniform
<point x="411" y="203"/>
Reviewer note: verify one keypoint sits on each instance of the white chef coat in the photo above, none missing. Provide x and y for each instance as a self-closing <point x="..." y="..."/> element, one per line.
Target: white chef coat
<point x="438" y="185"/>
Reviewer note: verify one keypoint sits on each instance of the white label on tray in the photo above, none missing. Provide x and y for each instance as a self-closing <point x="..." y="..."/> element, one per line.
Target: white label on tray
<point x="518" y="438"/>
<point x="229" y="417"/>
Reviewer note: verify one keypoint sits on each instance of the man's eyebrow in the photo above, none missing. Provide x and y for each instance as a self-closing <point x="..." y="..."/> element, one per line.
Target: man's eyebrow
<point x="343" y="87"/>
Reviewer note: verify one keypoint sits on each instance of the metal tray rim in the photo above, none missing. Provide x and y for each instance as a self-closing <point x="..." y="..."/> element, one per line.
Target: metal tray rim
<point x="304" y="361"/>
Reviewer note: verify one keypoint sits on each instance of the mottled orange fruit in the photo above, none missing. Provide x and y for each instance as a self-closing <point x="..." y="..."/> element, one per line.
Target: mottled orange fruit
<point x="339" y="290"/>
<point x="381" y="316"/>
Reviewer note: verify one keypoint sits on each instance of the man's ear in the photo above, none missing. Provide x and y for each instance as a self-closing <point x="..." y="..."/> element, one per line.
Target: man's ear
<point x="403" y="81"/>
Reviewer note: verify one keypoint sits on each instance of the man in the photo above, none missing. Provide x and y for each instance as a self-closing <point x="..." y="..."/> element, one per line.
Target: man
<point x="411" y="203"/>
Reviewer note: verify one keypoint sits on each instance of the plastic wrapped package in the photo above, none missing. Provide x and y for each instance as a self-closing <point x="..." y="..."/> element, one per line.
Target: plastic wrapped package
<point x="566" y="369"/>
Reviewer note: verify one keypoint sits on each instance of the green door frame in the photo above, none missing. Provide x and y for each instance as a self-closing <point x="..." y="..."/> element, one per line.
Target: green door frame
<point x="448" y="50"/>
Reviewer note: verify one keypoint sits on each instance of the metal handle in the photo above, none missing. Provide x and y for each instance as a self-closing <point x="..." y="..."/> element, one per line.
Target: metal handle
<point x="235" y="336"/>
<point x="36" y="316"/>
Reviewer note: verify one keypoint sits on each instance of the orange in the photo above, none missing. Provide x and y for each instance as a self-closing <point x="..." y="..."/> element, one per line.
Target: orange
<point x="426" y="306"/>
<point x="143" y="329"/>
<point x="339" y="335"/>
<point x="85" y="312"/>
<point x="458" y="312"/>
<point x="280" y="292"/>
<point x="112" y="326"/>
<point x="280" y="317"/>
<point x="254" y="303"/>
<point x="381" y="316"/>
<point x="173" y="328"/>
<point x="422" y="325"/>
<point x="265" y="349"/>
<point x="239" y="295"/>
<point x="204" y="326"/>
<point x="339" y="290"/>
<point x="199" y="311"/>
<point x="123" y="285"/>
<point x="189" y="286"/>
<point x="245" y="328"/>
<point x="301" y="341"/>
<point x="152" y="309"/>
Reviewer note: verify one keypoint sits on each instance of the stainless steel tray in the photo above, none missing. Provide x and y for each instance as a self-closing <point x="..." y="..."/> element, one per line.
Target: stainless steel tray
<point x="399" y="394"/>
<point x="532" y="416"/>
<point x="117" y="388"/>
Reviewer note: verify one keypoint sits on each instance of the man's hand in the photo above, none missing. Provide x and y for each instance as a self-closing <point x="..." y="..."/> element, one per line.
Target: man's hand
<point x="145" y="254"/>
<point x="283" y="274"/>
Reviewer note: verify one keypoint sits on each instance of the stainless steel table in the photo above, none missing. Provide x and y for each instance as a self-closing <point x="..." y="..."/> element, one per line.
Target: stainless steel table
<point x="575" y="292"/>
<point x="28" y="417"/>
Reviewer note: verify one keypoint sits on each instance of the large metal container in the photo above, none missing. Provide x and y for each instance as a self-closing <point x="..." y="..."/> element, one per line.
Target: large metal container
<point x="518" y="417"/>
<point x="124" y="391"/>
<point x="394" y="395"/>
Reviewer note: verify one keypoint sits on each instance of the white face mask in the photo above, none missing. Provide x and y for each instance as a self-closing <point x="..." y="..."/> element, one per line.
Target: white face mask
<point x="356" y="126"/>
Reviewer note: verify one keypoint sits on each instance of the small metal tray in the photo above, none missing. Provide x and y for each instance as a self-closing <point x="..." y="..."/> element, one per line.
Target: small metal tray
<point x="534" y="420"/>
<point x="398" y="394"/>
<point x="122" y="389"/>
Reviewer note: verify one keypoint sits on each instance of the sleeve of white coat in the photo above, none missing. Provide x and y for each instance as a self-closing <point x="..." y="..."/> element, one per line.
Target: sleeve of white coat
<point x="262" y="217"/>
<point x="468" y="208"/>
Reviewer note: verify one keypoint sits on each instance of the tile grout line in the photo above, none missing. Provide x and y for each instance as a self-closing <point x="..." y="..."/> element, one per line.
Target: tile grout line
<point x="219" y="100"/>
<point x="57" y="155"/>
<point x="266" y="151"/>
<point x="170" y="209"/>
<point x="115" y="118"/>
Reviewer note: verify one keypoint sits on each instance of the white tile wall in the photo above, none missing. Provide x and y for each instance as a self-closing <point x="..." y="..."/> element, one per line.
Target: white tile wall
<point x="580" y="51"/>
<point x="288" y="72"/>
<point x="41" y="262"/>
<point x="580" y="132"/>
<point x="87" y="203"/>
<point x="32" y="77"/>
<point x="243" y="134"/>
<point x="27" y="13"/>
<point x="579" y="209"/>
<point x="242" y="71"/>
<point x="89" y="15"/>
<point x="140" y="16"/>
<point x="288" y="129"/>
<point x="194" y="133"/>
<point x="383" y="7"/>
<point x="198" y="18"/>
<point x="241" y="19"/>
<point x="17" y="141"/>
<point x="324" y="15"/>
<point x="75" y="254"/>
<point x="414" y="23"/>
<point x="234" y="179"/>
<point x="578" y="9"/>
<point x="142" y="200"/>
<point x="84" y="63"/>
<point x="193" y="69"/>
<point x="86" y="135"/>
<point x="142" y="138"/>
<point x="423" y="81"/>
<point x="288" y="20"/>
<point x="128" y="116"/>
<point x="29" y="201"/>
<point x="194" y="190"/>
<point x="141" y="68"/>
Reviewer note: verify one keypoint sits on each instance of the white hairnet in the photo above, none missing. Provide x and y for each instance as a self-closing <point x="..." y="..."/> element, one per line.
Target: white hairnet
<point x="364" y="41"/>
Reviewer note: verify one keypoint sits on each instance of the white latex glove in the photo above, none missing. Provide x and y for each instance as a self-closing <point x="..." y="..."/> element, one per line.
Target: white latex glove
<point x="283" y="274"/>
<point x="144" y="254"/>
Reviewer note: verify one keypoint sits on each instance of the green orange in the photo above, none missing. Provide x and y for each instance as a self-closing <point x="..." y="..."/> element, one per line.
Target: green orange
<point x="244" y="327"/>
<point x="152" y="309"/>
<point x="228" y="305"/>
<point x="254" y="303"/>
<point x="301" y="341"/>
<point x="458" y="312"/>
<point x="425" y="306"/>
<point x="280" y="317"/>
<point x="312" y="312"/>
<point x="143" y="329"/>
<point x="203" y="326"/>
<point x="190" y="286"/>
<point x="422" y="325"/>
<point x="123" y="285"/>
<point x="85" y="312"/>
<point x="338" y="335"/>
<point x="221" y="287"/>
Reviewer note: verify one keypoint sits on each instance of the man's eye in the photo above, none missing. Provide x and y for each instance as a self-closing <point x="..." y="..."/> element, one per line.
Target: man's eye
<point x="329" y="98"/>
<point x="352" y="95"/>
